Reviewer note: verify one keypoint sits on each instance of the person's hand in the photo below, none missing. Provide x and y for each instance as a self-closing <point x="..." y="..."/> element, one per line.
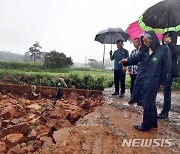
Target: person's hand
<point x="124" y="69"/>
<point x="110" y="52"/>
<point x="123" y="61"/>
<point x="167" y="39"/>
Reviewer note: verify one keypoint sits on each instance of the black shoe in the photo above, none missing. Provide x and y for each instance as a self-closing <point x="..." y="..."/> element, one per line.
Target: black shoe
<point x="141" y="128"/>
<point x="163" y="115"/>
<point x="115" y="93"/>
<point x="154" y="127"/>
<point x="121" y="95"/>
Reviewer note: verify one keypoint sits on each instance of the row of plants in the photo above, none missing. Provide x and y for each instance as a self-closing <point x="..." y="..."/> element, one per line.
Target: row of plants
<point x="81" y="82"/>
<point x="84" y="82"/>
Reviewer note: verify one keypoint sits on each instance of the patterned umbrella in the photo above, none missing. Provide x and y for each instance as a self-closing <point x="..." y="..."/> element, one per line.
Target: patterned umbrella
<point x="162" y="17"/>
<point x="135" y="31"/>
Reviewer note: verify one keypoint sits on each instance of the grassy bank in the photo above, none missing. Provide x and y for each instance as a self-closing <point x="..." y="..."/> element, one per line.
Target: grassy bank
<point x="36" y="73"/>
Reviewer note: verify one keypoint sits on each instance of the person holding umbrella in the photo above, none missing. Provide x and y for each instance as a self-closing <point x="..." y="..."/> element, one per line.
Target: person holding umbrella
<point x="110" y="36"/>
<point x="154" y="70"/>
<point x="119" y="69"/>
<point x="175" y="51"/>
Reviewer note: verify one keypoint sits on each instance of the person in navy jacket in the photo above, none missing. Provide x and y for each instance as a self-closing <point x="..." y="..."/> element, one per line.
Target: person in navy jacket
<point x="175" y="52"/>
<point x="154" y="70"/>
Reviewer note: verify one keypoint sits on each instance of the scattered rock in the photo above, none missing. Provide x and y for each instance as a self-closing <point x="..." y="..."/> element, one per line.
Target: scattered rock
<point x="16" y="150"/>
<point x="14" y="139"/>
<point x="51" y="122"/>
<point x="23" y="144"/>
<point x="17" y="115"/>
<point x="61" y="123"/>
<point x="32" y="135"/>
<point x="8" y="112"/>
<point x="15" y="121"/>
<point x="5" y="97"/>
<point x="29" y="149"/>
<point x="42" y="119"/>
<point x="3" y="148"/>
<point x="61" y="135"/>
<point x="44" y="138"/>
<point x="85" y="104"/>
<point x="58" y="113"/>
<point x="21" y="128"/>
<point x="47" y="143"/>
<point x="34" y="106"/>
<point x="73" y="117"/>
<point x="5" y="123"/>
<point x="38" y="144"/>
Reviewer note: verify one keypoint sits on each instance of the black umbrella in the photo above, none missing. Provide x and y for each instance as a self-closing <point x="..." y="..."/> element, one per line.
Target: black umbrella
<point x="110" y="36"/>
<point x="162" y="17"/>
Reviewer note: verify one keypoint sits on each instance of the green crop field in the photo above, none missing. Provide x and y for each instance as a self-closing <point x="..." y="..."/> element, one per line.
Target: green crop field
<point x="37" y="74"/>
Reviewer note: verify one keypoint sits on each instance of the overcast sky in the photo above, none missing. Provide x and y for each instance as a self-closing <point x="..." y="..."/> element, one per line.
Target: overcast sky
<point x="67" y="26"/>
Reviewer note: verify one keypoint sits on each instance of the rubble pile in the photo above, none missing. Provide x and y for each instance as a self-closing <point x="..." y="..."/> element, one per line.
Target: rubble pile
<point x="29" y="126"/>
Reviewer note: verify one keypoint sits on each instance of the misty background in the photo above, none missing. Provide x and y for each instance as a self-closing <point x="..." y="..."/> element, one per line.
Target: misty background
<point x="66" y="26"/>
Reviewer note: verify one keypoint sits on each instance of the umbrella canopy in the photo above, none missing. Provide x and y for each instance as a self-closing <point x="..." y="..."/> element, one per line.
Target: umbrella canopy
<point x="162" y="17"/>
<point x="111" y="36"/>
<point x="135" y="31"/>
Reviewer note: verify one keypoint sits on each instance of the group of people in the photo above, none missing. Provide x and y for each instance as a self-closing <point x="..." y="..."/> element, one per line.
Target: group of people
<point x="150" y="65"/>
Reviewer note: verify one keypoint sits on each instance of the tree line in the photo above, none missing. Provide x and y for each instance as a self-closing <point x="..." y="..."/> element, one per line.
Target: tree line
<point x="50" y="59"/>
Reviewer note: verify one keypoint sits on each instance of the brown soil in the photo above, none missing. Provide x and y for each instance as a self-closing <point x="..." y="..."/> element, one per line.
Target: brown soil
<point x="80" y="125"/>
<point x="102" y="132"/>
<point x="28" y="126"/>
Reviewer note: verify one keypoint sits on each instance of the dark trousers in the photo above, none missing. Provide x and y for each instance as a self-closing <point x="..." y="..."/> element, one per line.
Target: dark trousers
<point x="133" y="78"/>
<point x="167" y="98"/>
<point x="119" y="76"/>
<point x="150" y="117"/>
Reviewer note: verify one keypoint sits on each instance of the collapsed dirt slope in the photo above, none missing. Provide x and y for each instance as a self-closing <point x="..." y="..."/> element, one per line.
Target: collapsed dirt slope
<point x="28" y="126"/>
<point x="79" y="125"/>
<point x="102" y="132"/>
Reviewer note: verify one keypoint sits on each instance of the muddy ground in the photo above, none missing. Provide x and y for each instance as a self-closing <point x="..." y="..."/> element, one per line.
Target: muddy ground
<point x="97" y="128"/>
<point x="103" y="131"/>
